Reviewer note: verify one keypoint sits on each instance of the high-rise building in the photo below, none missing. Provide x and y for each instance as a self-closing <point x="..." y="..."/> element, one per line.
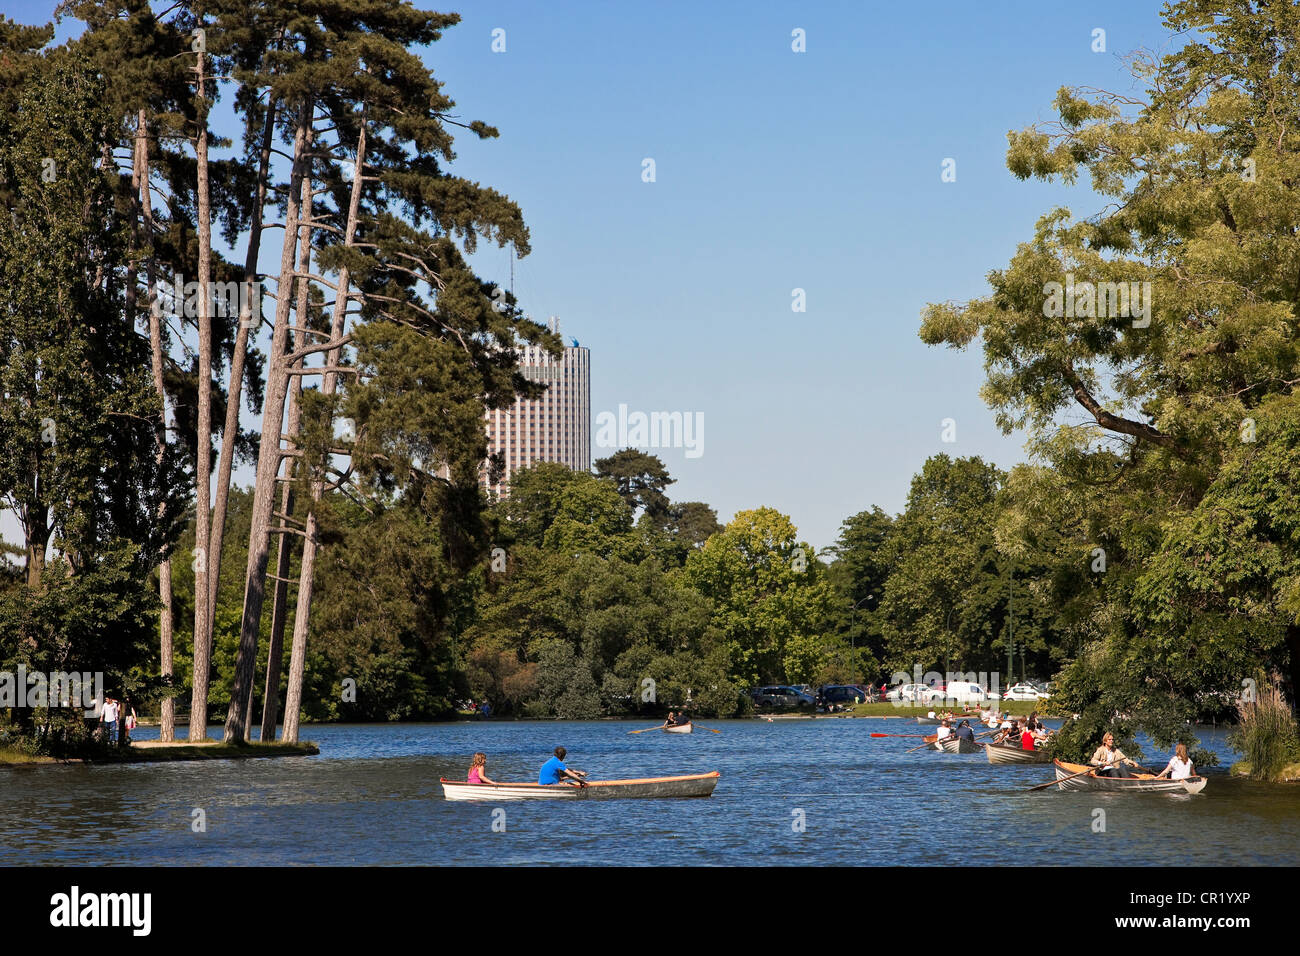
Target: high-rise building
<point x="554" y="427"/>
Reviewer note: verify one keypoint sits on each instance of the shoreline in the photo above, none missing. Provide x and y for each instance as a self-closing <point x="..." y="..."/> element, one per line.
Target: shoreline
<point x="154" y="751"/>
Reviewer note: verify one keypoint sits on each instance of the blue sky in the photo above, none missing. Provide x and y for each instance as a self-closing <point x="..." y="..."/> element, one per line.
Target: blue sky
<point x="774" y="170"/>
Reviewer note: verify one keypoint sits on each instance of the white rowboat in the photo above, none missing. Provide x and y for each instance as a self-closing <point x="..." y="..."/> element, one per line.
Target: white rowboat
<point x="1139" y="783"/>
<point x="695" y="785"/>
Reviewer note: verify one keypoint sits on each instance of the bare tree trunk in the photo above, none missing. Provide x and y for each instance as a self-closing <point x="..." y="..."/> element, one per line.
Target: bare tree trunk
<point x="269" y="453"/>
<point x="250" y="316"/>
<point x="279" y="607"/>
<point x="298" y="658"/>
<point x="203" y="469"/>
<point x="167" y="732"/>
<point x="280" y="602"/>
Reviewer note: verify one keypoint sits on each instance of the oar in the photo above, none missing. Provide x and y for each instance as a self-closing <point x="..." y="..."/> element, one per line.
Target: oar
<point x="656" y="727"/>
<point x="902" y="735"/>
<point x="709" y="729"/>
<point x="1081" y="773"/>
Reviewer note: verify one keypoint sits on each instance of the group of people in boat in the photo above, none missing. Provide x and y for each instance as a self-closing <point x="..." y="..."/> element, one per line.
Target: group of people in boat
<point x="676" y="719"/>
<point x="1029" y="736"/>
<point x="1110" y="761"/>
<point x="963" y="730"/>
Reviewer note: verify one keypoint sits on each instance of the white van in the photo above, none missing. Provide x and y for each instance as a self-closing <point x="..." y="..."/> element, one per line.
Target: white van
<point x="961" y="692"/>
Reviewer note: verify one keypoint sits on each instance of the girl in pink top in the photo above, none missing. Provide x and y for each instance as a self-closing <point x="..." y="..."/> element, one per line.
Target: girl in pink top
<point x="477" y="768"/>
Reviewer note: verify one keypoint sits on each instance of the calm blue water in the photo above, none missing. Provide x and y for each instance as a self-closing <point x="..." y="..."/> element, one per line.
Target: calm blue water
<point x="372" y="797"/>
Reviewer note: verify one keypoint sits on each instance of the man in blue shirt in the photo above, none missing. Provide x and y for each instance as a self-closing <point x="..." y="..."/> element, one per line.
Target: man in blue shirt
<point x="554" y="770"/>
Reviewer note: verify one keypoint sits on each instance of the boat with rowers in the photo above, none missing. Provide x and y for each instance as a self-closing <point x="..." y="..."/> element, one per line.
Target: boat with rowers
<point x="1006" y="753"/>
<point x="1138" y="783"/>
<point x="951" y="745"/>
<point x="685" y="728"/>
<point x="957" y="745"/>
<point x="693" y="785"/>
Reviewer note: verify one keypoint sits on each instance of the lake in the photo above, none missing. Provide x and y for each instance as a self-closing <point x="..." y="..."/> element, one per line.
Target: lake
<point x="792" y="792"/>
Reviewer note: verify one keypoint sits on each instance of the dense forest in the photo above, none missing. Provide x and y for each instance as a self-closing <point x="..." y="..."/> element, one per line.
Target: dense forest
<point x="1147" y="556"/>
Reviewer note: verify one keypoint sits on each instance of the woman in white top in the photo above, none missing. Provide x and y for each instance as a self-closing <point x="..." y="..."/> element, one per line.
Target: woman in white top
<point x="1179" y="766"/>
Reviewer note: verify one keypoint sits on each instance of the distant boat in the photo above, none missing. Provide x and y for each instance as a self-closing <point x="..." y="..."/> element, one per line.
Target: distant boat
<point x="695" y="785"/>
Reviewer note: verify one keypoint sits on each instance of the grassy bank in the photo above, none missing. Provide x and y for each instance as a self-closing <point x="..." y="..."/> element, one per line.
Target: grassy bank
<point x="12" y="757"/>
<point x="152" y="751"/>
<point x="1017" y="708"/>
<point x="1288" y="774"/>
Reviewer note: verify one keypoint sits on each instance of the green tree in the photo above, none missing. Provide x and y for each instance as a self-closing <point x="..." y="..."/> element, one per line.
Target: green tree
<point x="772" y="603"/>
<point x="1144" y="401"/>
<point x="641" y="480"/>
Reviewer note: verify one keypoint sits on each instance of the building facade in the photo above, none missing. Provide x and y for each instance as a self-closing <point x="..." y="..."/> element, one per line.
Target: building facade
<point x="556" y="426"/>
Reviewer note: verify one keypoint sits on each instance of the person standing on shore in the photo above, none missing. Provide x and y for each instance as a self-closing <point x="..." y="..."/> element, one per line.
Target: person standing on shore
<point x="128" y="722"/>
<point x="108" y="717"/>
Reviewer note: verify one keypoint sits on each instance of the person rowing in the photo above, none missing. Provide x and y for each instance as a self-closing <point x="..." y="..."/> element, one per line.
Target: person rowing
<point x="964" y="731"/>
<point x="671" y="720"/>
<point x="944" y="731"/>
<point x="554" y="771"/>
<point x="1009" y="734"/>
<point x="1110" y="760"/>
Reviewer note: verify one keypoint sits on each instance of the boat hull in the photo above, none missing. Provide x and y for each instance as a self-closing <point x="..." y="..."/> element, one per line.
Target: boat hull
<point x="1142" y="783"/>
<point x="956" y="745"/>
<point x="695" y="785"/>
<point x="999" y="754"/>
<point x="680" y="729"/>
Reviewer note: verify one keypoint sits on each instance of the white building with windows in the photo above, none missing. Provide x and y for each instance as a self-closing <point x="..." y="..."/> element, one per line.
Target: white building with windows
<point x="556" y="426"/>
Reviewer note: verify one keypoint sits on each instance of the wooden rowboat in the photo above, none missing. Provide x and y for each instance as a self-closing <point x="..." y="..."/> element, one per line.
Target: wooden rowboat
<point x="685" y="728"/>
<point x="1139" y="783"/>
<point x="695" y="785"/>
<point x="956" y="745"/>
<point x="1001" y="753"/>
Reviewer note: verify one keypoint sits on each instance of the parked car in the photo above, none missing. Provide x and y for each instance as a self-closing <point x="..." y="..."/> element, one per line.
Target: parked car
<point x="1025" y="692"/>
<point x="830" y="695"/>
<point x="780" y="695"/>
<point x="958" y="692"/>
<point x="908" y="692"/>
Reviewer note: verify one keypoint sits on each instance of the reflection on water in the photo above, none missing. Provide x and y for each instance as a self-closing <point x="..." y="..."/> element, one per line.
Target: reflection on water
<point x="372" y="797"/>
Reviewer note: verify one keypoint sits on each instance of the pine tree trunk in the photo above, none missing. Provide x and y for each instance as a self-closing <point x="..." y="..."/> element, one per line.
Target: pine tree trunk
<point x="203" y="469"/>
<point x="279" y="608"/>
<point x="269" y="455"/>
<point x="280" y="602"/>
<point x="167" y="731"/>
<point x="248" y="321"/>
<point x="298" y="658"/>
